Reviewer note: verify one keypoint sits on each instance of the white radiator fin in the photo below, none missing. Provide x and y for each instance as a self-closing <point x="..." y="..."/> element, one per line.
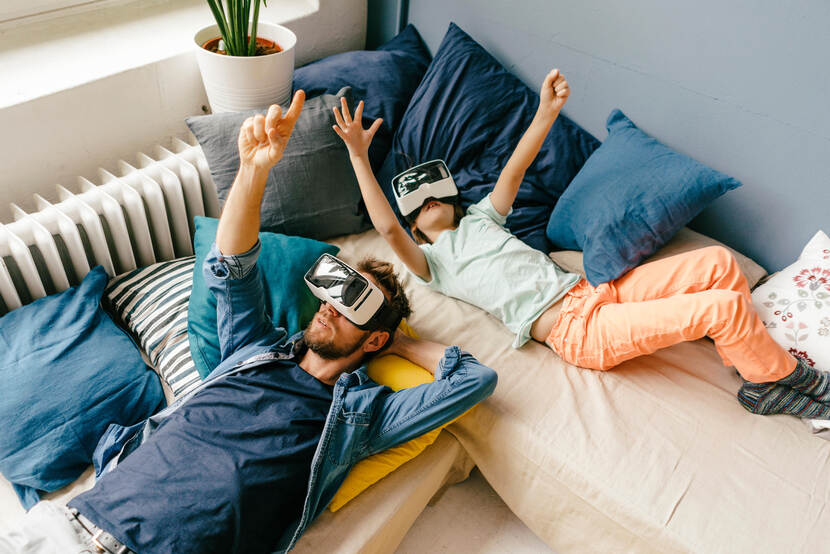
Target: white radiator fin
<point x="141" y="214"/>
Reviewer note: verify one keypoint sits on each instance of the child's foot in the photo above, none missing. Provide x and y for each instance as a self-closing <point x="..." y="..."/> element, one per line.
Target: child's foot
<point x="807" y="379"/>
<point x="775" y="398"/>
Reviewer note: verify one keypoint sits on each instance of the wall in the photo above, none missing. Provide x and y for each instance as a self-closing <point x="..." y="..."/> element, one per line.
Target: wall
<point x="740" y="86"/>
<point x="114" y="96"/>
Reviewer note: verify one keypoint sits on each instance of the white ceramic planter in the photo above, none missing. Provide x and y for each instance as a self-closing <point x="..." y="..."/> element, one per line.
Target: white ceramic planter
<point x="239" y="83"/>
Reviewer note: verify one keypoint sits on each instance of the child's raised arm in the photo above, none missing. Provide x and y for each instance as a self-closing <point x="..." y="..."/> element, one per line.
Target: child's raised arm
<point x="552" y="97"/>
<point x="357" y="141"/>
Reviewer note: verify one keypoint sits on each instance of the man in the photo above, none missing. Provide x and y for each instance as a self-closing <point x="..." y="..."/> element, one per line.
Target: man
<point x="247" y="462"/>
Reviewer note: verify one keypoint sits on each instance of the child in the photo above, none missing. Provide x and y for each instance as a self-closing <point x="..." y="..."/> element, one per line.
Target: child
<point x="473" y="257"/>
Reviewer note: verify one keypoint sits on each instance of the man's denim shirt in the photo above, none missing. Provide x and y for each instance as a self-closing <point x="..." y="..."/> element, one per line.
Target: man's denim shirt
<point x="364" y="418"/>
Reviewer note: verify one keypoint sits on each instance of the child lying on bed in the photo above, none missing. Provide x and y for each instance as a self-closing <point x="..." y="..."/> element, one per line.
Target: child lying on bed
<point x="473" y="257"/>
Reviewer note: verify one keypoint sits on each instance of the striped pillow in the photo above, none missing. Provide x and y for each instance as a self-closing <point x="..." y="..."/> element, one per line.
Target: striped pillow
<point x="151" y="302"/>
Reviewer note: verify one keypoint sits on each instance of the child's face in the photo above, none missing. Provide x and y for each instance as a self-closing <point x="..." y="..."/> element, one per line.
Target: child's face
<point x="435" y="215"/>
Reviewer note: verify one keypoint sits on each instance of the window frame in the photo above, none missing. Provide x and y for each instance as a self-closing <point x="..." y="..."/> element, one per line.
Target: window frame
<point x="13" y="12"/>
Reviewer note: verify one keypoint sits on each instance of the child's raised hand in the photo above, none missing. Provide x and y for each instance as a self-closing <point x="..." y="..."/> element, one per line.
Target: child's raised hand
<point x="357" y="138"/>
<point x="554" y="94"/>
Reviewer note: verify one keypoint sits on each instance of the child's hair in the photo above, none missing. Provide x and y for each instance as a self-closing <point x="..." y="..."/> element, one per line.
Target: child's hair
<point x="419" y="236"/>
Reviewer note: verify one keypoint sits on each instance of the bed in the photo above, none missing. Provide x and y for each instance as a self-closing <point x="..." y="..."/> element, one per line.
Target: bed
<point x="656" y="455"/>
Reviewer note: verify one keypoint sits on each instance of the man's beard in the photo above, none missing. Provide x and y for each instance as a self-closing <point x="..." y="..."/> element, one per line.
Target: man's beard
<point x="326" y="349"/>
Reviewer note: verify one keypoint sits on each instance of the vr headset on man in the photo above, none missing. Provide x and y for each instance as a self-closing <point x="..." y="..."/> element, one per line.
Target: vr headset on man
<point x="350" y="293"/>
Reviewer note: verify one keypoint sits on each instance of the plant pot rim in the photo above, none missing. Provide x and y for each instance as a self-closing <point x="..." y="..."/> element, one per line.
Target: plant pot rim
<point x="292" y="39"/>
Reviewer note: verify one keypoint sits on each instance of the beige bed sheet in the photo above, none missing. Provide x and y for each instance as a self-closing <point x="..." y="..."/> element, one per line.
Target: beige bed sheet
<point x="654" y="456"/>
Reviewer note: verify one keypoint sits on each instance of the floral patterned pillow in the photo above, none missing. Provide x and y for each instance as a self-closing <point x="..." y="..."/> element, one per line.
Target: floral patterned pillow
<point x="795" y="304"/>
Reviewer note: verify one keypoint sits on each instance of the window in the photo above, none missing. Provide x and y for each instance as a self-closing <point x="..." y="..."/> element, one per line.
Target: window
<point x="15" y="9"/>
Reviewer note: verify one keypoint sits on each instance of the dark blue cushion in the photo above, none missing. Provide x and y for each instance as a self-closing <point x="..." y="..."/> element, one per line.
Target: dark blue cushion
<point x="384" y="79"/>
<point x="629" y="199"/>
<point x="283" y="262"/>
<point x="67" y="372"/>
<point x="471" y="112"/>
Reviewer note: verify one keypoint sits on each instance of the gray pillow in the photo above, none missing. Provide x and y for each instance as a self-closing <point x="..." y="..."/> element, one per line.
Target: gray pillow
<point x="312" y="192"/>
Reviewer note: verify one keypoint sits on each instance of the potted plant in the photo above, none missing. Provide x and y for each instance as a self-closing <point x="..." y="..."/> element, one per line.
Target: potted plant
<point x="245" y="63"/>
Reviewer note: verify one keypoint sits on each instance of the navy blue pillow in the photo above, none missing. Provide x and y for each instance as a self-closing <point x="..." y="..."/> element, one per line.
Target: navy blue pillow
<point x="67" y="372"/>
<point x="384" y="79"/>
<point x="629" y="199"/>
<point x="471" y="112"/>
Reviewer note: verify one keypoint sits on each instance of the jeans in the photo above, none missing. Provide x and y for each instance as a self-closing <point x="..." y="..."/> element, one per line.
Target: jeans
<point x="48" y="528"/>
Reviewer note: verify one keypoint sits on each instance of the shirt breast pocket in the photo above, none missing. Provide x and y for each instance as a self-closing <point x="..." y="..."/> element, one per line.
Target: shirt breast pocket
<point x="350" y="436"/>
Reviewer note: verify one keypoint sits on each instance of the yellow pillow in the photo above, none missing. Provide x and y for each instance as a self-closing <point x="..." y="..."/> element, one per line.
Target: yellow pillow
<point x="396" y="373"/>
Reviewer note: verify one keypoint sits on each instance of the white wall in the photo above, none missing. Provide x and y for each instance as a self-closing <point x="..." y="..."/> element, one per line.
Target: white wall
<point x="92" y="122"/>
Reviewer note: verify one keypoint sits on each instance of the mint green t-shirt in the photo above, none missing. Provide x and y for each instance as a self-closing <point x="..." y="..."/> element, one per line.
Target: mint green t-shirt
<point x="483" y="264"/>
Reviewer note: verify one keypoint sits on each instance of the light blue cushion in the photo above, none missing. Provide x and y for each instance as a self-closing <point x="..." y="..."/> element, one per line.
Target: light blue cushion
<point x="283" y="262"/>
<point x="67" y="372"/>
<point x="629" y="199"/>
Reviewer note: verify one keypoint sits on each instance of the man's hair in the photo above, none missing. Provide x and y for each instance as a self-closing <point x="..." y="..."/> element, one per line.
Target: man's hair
<point x="419" y="236"/>
<point x="384" y="274"/>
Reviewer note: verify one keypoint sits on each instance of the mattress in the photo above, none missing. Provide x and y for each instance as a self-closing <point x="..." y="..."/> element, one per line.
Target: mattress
<point x="656" y="455"/>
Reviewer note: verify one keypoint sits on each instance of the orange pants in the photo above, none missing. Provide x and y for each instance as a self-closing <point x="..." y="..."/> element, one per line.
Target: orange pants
<point x="658" y="304"/>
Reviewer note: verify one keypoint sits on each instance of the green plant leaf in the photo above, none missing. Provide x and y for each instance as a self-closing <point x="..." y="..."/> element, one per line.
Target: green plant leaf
<point x="254" y="21"/>
<point x="219" y="16"/>
<point x="802" y="293"/>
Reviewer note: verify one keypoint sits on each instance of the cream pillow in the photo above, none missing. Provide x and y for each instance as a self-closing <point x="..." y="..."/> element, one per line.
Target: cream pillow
<point x="795" y="304"/>
<point x="795" y="307"/>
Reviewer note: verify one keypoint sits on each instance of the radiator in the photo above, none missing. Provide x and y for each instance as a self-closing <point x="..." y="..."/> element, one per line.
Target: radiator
<point x="136" y="215"/>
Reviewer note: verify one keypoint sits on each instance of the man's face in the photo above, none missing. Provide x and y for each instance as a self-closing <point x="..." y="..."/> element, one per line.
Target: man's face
<point x="332" y="336"/>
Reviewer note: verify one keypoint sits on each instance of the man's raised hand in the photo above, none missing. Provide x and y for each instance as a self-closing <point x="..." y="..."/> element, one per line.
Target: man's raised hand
<point x="554" y="94"/>
<point x="357" y="138"/>
<point x="263" y="138"/>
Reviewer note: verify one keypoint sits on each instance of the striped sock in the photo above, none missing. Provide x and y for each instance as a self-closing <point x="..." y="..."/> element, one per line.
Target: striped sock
<point x="807" y="379"/>
<point x="774" y="398"/>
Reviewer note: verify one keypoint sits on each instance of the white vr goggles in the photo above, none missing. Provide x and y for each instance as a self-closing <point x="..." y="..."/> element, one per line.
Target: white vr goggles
<point x="428" y="180"/>
<point x="354" y="296"/>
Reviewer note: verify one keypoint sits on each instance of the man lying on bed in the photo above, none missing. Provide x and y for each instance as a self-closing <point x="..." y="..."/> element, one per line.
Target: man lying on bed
<point x="253" y="456"/>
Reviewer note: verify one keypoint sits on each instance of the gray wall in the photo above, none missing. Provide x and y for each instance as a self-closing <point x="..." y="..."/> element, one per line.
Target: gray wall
<point x="740" y="86"/>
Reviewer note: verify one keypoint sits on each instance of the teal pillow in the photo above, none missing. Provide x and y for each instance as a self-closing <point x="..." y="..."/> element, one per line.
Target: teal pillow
<point x="283" y="261"/>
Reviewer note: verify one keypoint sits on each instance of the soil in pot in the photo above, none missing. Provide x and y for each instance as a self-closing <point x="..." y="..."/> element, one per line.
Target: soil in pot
<point x="263" y="46"/>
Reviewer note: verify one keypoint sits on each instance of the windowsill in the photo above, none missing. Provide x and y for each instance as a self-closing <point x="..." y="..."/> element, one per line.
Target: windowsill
<point x="45" y="57"/>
